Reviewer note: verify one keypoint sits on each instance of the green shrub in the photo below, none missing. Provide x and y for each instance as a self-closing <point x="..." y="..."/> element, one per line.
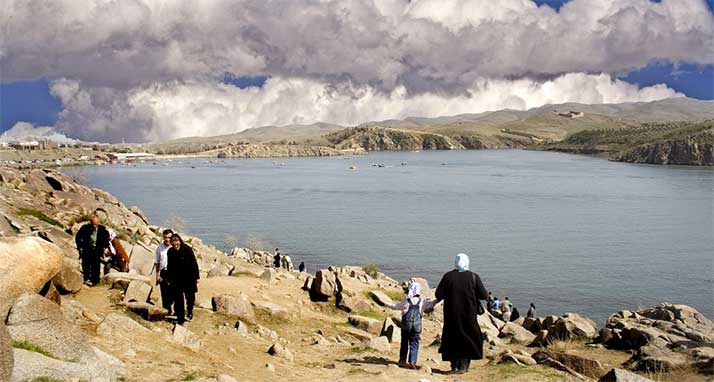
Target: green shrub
<point x="372" y="270"/>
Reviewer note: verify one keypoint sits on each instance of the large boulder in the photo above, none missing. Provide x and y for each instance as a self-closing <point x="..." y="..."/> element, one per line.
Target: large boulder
<point x="69" y="279"/>
<point x="271" y="308"/>
<point x="237" y="306"/>
<point x="38" y="320"/>
<point x="141" y="259"/>
<point x="6" y="353"/>
<point x="137" y="291"/>
<point x="116" y="325"/>
<point x="26" y="264"/>
<point x="365" y="323"/>
<point x="572" y="326"/>
<point x="351" y="304"/>
<point x="516" y="334"/>
<point x="31" y="366"/>
<point x="583" y="365"/>
<point x="324" y="285"/>
<point x="381" y="298"/>
<point x="619" y="375"/>
<point x="391" y="330"/>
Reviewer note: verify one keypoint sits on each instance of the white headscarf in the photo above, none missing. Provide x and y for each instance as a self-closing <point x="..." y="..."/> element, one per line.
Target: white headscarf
<point x="414" y="291"/>
<point x="461" y="263"/>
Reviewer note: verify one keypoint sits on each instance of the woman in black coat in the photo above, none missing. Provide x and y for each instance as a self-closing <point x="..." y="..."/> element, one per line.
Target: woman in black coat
<point x="183" y="275"/>
<point x="461" y="339"/>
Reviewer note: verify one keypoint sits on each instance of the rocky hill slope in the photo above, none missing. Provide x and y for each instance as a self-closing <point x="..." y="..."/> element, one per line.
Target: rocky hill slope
<point x="676" y="143"/>
<point x="254" y="323"/>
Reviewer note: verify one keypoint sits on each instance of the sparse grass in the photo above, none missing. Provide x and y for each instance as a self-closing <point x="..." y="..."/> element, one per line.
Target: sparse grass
<point x="512" y="372"/>
<point x="192" y="376"/>
<point x="372" y="270"/>
<point x="45" y="379"/>
<point x="372" y="314"/>
<point x="29" y="346"/>
<point x="244" y="274"/>
<point x="39" y="215"/>
<point x="360" y="371"/>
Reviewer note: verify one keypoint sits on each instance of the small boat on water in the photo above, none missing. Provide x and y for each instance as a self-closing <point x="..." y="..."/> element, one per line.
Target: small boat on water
<point x="353" y="168"/>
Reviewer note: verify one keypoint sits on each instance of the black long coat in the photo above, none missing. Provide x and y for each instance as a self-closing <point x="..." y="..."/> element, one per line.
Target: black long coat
<point x="461" y="337"/>
<point x="182" y="268"/>
<point x="84" y="242"/>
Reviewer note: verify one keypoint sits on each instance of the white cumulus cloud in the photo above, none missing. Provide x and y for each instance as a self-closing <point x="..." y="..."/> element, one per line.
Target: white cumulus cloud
<point x="166" y="110"/>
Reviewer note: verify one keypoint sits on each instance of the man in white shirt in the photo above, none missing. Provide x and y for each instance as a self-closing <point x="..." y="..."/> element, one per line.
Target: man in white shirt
<point x="160" y="264"/>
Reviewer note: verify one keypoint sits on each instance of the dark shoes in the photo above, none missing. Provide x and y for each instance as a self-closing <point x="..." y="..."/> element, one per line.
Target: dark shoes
<point x="189" y="317"/>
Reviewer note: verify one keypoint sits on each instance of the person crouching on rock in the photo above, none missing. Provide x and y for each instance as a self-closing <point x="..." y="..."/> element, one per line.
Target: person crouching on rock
<point x="412" y="308"/>
<point x="183" y="277"/>
<point x="461" y="339"/>
<point x="92" y="243"/>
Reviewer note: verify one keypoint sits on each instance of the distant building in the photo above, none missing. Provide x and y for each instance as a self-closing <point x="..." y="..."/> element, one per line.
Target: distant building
<point x="570" y="114"/>
<point x="25" y="145"/>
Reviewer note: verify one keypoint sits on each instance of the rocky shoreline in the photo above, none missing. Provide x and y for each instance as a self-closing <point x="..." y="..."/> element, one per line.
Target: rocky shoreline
<point x="255" y="323"/>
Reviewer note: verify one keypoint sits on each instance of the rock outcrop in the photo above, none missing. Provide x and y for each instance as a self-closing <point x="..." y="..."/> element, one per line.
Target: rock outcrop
<point x="26" y="265"/>
<point x="663" y="337"/>
<point x="382" y="138"/>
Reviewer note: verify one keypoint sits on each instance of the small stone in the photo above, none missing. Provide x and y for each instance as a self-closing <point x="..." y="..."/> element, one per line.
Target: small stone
<point x="281" y="351"/>
<point x="225" y="378"/>
<point x="380" y="344"/>
<point x="242" y="328"/>
<point x="270" y="367"/>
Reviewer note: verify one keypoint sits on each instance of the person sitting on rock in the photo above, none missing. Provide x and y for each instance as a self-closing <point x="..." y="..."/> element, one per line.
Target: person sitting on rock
<point x="301" y="267"/>
<point x="92" y="243"/>
<point x="506" y="309"/>
<point x="412" y="308"/>
<point x="183" y="277"/>
<point x="531" y="311"/>
<point x="496" y="304"/>
<point x="515" y="314"/>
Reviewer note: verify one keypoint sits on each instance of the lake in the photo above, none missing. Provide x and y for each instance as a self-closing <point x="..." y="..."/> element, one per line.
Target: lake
<point x="568" y="233"/>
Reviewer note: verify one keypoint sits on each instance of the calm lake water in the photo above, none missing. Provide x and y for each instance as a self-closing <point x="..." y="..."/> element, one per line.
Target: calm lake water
<point x="568" y="233"/>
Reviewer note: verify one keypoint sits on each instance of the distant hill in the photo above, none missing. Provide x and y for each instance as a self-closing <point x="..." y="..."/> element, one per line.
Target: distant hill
<point x="685" y="143"/>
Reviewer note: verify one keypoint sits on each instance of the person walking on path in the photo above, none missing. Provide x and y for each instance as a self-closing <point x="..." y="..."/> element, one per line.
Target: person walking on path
<point x="183" y="278"/>
<point x="531" y="312"/>
<point x="412" y="309"/>
<point x="161" y="264"/>
<point x="461" y="338"/>
<point x="92" y="242"/>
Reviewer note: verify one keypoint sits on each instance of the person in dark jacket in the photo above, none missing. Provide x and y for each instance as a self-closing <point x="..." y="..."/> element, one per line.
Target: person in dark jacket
<point x="515" y="314"/>
<point x="92" y="241"/>
<point x="461" y="338"/>
<point x="183" y="277"/>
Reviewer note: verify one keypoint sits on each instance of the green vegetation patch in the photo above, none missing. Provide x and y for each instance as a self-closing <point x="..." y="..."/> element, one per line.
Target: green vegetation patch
<point x="38" y="215"/>
<point x="372" y="314"/>
<point x="45" y="379"/>
<point x="29" y="346"/>
<point x="512" y="372"/>
<point x="372" y="270"/>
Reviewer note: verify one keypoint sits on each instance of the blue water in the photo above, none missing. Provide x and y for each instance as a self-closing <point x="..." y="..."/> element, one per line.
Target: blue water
<point x="568" y="233"/>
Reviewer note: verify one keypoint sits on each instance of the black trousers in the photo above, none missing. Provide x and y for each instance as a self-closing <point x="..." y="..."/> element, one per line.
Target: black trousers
<point x="91" y="267"/>
<point x="181" y="292"/>
<point x="167" y="294"/>
<point x="460" y="364"/>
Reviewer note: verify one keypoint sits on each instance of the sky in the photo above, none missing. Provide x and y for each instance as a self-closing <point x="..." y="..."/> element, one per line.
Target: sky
<point x="151" y="70"/>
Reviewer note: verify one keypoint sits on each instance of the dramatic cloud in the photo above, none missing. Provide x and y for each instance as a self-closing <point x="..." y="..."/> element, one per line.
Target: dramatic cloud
<point x="176" y="109"/>
<point x="127" y="54"/>
<point x="422" y="44"/>
<point x="23" y="131"/>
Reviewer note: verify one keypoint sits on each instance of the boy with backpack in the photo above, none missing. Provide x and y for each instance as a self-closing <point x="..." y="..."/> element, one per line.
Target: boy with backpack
<point x="412" y="309"/>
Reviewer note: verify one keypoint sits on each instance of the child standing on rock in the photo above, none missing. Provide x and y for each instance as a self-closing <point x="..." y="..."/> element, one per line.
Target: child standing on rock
<point x="412" y="308"/>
